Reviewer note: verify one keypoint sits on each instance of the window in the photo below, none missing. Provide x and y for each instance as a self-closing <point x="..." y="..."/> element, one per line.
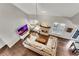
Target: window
<point x="76" y="34"/>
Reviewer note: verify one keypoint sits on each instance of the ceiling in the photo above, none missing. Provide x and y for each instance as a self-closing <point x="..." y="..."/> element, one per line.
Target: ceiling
<point x="51" y="9"/>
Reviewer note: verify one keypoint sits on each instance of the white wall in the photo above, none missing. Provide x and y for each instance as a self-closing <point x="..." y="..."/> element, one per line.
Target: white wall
<point x="51" y="10"/>
<point x="51" y="19"/>
<point x="28" y="8"/>
<point x="75" y="19"/>
<point x="10" y="18"/>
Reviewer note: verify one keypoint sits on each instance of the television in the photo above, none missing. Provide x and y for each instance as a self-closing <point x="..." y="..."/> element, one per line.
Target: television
<point x="21" y="30"/>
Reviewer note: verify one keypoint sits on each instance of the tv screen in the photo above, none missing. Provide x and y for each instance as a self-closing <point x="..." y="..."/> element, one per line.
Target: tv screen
<point x="22" y="29"/>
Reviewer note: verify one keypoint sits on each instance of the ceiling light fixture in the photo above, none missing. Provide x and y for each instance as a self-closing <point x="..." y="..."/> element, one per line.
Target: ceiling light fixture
<point x="43" y="11"/>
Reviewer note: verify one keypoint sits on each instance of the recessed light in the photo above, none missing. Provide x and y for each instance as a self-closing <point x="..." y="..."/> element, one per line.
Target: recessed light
<point x="43" y="11"/>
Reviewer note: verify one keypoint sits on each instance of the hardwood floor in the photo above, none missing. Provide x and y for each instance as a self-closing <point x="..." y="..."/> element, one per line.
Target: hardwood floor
<point x="19" y="50"/>
<point x="61" y="49"/>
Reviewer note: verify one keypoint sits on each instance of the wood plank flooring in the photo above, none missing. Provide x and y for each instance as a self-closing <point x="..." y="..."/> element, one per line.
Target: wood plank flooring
<point x="19" y="50"/>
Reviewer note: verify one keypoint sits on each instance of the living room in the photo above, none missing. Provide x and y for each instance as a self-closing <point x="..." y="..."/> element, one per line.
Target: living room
<point x="39" y="29"/>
